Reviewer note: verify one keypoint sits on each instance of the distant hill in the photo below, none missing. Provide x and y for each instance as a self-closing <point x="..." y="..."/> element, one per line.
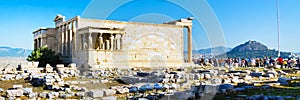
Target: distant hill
<point x="13" y="52"/>
<point x="250" y="46"/>
<point x="253" y="49"/>
<point x="215" y="50"/>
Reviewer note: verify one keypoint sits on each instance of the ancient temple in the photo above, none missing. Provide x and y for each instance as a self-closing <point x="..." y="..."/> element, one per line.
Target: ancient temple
<point x="106" y="43"/>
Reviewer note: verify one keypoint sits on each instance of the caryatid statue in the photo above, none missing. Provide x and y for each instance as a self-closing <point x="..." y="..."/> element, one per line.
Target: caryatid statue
<point x="90" y="39"/>
<point x="85" y="46"/>
<point x="100" y="38"/>
<point x="118" y="42"/>
<point x="111" y="42"/>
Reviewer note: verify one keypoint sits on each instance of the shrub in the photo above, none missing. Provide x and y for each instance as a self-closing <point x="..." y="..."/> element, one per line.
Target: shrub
<point x="44" y="56"/>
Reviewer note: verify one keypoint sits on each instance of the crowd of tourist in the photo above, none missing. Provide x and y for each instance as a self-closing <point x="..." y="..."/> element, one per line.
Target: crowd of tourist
<point x="249" y="62"/>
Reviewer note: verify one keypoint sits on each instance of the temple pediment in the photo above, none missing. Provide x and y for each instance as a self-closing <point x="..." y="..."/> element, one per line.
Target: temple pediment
<point x="59" y="17"/>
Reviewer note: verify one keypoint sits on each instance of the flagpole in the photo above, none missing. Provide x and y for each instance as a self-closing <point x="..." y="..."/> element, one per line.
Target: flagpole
<point x="278" y="27"/>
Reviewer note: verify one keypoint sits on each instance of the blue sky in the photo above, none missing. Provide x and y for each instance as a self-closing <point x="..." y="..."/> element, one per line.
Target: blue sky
<point x="241" y="20"/>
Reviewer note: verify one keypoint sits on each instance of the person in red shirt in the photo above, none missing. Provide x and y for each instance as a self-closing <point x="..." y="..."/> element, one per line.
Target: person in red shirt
<point x="280" y="61"/>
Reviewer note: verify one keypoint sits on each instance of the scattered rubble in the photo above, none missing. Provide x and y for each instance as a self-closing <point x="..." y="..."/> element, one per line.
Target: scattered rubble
<point x="142" y="84"/>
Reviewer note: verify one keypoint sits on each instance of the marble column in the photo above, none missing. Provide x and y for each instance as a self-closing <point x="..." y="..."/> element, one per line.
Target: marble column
<point x="107" y="45"/>
<point x="61" y="40"/>
<point x="70" y="39"/>
<point x="115" y="42"/>
<point x="73" y="37"/>
<point x="101" y="47"/>
<point x="35" y="44"/>
<point x="118" y="45"/>
<point x="111" y="42"/>
<point x="39" y="42"/>
<point x="64" y="39"/>
<point x="44" y="41"/>
<point x="121" y="45"/>
<point x="67" y="39"/>
<point x="84" y="42"/>
<point x="90" y="41"/>
<point x="190" y="44"/>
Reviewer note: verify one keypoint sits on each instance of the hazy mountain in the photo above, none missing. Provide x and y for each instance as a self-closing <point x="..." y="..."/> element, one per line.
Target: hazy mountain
<point x="13" y="52"/>
<point x="253" y="49"/>
<point x="215" y="50"/>
<point x="250" y="46"/>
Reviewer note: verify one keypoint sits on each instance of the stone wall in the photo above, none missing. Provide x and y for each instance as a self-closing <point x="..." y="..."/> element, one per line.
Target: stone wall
<point x="126" y="44"/>
<point x="51" y="39"/>
<point x="143" y="45"/>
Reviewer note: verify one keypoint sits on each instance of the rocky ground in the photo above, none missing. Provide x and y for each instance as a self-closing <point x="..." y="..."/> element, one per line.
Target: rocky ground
<point x="192" y="83"/>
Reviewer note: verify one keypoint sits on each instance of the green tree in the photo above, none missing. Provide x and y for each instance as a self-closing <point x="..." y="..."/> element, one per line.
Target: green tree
<point x="44" y="56"/>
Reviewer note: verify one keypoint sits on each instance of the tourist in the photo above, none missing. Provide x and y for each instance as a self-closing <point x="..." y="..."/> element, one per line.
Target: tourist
<point x="280" y="61"/>
<point x="202" y="62"/>
<point x="231" y="63"/>
<point x="243" y="63"/>
<point x="272" y="61"/>
<point x="266" y="61"/>
<point x="216" y="62"/>
<point x="222" y="62"/>
<point x="289" y="63"/>
<point x="253" y="62"/>
<point x="236" y="62"/>
<point x="298" y="63"/>
<point x="284" y="63"/>
<point x="257" y="62"/>
<point x="210" y="62"/>
<point x="239" y="61"/>
<point x="247" y="62"/>
<point x="206" y="62"/>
